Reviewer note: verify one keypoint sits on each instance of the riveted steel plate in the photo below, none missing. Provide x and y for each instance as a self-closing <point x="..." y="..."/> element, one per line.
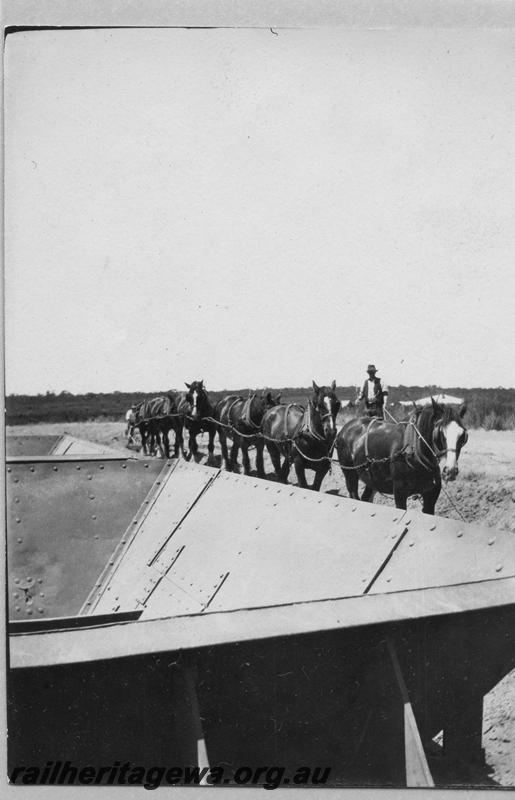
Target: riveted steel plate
<point x="70" y="446"/>
<point x="271" y="544"/>
<point x="443" y="552"/>
<point x="152" y="550"/>
<point x="30" y="445"/>
<point x="64" y="519"/>
<point x="217" y="541"/>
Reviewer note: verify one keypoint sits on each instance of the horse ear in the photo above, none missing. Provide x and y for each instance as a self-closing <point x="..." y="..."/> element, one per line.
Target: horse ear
<point x="315" y="387"/>
<point x="333" y="385"/>
<point x="188" y="385"/>
<point x="278" y="399"/>
<point x="201" y="383"/>
<point x="435" y="405"/>
<point x="463" y="410"/>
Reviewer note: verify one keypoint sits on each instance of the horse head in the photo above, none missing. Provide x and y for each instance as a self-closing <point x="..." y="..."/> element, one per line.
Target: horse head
<point x="271" y="399"/>
<point x="196" y="396"/>
<point x="449" y="436"/>
<point x="327" y="404"/>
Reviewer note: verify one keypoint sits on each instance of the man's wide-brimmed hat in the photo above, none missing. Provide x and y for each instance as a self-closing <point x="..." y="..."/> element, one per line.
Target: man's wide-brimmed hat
<point x="371" y="368"/>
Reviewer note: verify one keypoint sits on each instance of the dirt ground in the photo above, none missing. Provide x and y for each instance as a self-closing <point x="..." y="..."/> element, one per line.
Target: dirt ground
<point x="484" y="492"/>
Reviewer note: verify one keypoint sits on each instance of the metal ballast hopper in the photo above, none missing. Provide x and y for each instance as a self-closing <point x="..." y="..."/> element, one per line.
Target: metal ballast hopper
<point x="243" y="621"/>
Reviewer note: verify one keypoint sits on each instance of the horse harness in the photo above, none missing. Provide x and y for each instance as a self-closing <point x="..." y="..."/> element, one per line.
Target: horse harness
<point x="369" y="461"/>
<point x="408" y="450"/>
<point x="237" y="400"/>
<point x="246" y="413"/>
<point x="285" y="426"/>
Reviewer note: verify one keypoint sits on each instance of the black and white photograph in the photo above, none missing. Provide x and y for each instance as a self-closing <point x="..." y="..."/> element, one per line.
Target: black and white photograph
<point x="259" y="395"/>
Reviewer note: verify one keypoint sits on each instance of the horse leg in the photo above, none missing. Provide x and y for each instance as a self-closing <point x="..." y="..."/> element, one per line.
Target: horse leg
<point x="234" y="454"/>
<point x="158" y="443"/>
<point x="162" y="437"/>
<point x="285" y="469"/>
<point x="367" y="496"/>
<point x="400" y="497"/>
<point x="180" y="432"/>
<point x="300" y="470"/>
<point x="275" y="457"/>
<point x="166" y="441"/>
<point x="151" y="441"/>
<point x="223" y="445"/>
<point x="210" y="446"/>
<point x="429" y="498"/>
<point x="260" y="464"/>
<point x="245" y="458"/>
<point x="320" y="473"/>
<point x="143" y="437"/>
<point x="351" y="482"/>
<point x="177" y="442"/>
<point x="193" y="446"/>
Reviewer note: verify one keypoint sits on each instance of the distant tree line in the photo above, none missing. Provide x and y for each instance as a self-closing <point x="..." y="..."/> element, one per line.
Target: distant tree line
<point x="493" y="409"/>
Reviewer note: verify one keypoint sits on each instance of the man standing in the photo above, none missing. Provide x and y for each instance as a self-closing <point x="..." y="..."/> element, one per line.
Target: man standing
<point x="374" y="392"/>
<point x="130" y="419"/>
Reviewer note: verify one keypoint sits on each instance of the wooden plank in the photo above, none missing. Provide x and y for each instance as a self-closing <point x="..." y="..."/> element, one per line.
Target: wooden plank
<point x="190" y="674"/>
<point x="417" y="768"/>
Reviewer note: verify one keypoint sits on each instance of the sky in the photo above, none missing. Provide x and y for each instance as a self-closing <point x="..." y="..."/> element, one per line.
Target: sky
<point x="259" y="208"/>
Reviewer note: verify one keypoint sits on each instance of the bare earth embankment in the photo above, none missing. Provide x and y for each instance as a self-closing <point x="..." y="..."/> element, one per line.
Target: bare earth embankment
<point x="484" y="493"/>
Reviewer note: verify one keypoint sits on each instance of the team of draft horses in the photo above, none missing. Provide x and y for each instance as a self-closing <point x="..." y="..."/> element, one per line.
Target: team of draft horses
<point x="396" y="458"/>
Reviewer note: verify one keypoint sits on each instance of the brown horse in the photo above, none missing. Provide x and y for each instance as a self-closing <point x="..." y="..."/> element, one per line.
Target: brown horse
<point x="157" y="417"/>
<point x="304" y="436"/>
<point x="198" y="418"/>
<point x="241" y="420"/>
<point x="143" y="426"/>
<point x="403" y="458"/>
